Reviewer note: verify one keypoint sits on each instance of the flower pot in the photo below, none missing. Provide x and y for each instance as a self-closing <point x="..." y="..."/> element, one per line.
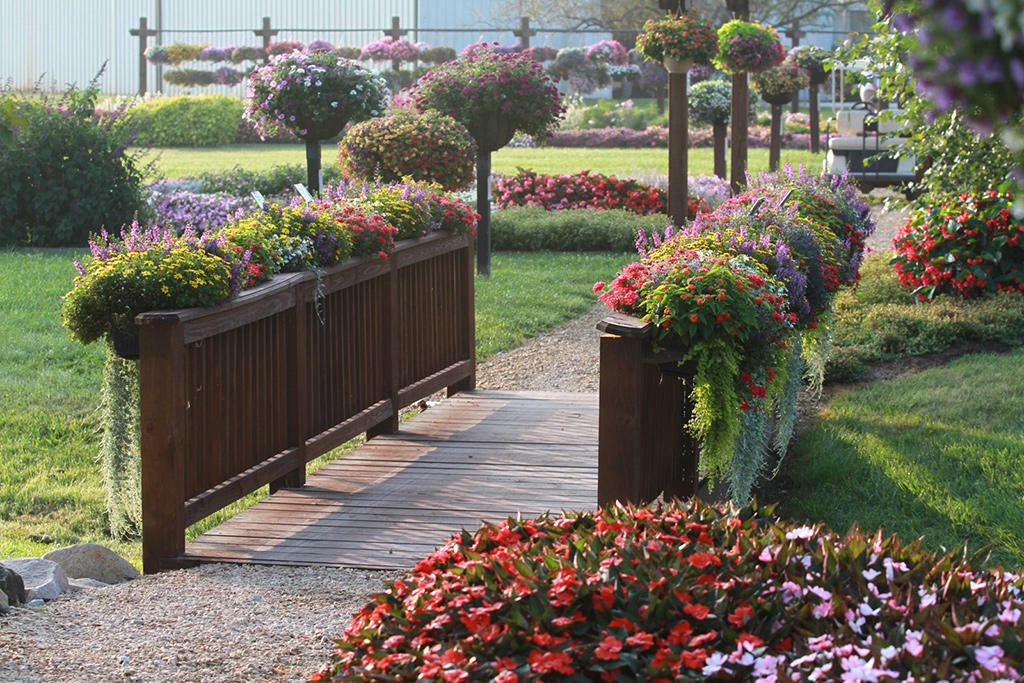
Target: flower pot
<point x="778" y="99"/>
<point x="677" y="66"/>
<point x="125" y="345"/>
<point x="320" y="130"/>
<point x="492" y="131"/>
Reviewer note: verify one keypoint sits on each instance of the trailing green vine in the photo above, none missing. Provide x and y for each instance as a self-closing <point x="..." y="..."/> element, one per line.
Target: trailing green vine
<point x="119" y="446"/>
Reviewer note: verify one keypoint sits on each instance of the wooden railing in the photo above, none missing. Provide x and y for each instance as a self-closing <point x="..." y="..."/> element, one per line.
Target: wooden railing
<point x="243" y="395"/>
<point x="644" y="449"/>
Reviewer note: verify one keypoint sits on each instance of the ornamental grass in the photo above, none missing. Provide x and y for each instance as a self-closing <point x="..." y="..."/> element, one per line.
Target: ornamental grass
<point x="684" y="592"/>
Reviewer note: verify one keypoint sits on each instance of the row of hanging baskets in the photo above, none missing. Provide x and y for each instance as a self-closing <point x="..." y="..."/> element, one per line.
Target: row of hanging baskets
<point x="687" y="39"/>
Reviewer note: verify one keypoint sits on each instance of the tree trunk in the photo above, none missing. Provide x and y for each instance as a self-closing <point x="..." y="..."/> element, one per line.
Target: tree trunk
<point x="720" y="131"/>
<point x="775" y="144"/>
<point x="740" y="132"/>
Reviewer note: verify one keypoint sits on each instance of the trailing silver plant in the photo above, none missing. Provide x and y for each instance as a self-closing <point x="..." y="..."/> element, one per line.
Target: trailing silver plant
<point x="817" y="347"/>
<point x="120" y="457"/>
<point x="751" y="450"/>
<point x="785" y="405"/>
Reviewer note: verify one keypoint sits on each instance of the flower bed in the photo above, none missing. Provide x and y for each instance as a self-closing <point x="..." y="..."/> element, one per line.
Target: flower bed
<point x="683" y="593"/>
<point x="964" y="246"/>
<point x="746" y="291"/>
<point x="657" y="136"/>
<point x="583" y="190"/>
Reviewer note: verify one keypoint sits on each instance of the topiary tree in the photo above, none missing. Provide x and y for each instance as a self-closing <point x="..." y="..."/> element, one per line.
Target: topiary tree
<point x="425" y="146"/>
<point x="66" y="174"/>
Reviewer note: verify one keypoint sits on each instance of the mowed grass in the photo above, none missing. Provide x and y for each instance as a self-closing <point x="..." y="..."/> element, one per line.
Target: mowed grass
<point x="180" y="162"/>
<point x="51" y="493"/>
<point x="938" y="455"/>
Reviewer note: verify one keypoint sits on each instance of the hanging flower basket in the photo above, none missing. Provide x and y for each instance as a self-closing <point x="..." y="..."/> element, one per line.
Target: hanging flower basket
<point x="777" y="85"/>
<point x="492" y="131"/>
<point x="686" y="37"/>
<point x="746" y="46"/>
<point x="312" y="95"/>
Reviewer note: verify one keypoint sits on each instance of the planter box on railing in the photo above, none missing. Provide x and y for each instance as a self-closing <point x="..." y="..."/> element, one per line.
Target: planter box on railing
<point x="644" y="449"/>
<point x="243" y="395"/>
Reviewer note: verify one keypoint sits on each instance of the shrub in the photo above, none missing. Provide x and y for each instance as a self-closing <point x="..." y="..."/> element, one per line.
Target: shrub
<point x="427" y="147"/>
<point x="239" y="182"/>
<point x="187" y="121"/>
<point x="534" y="228"/>
<point x="65" y="175"/>
<point x="964" y="246"/>
<point x="683" y="592"/>
<point x="583" y="190"/>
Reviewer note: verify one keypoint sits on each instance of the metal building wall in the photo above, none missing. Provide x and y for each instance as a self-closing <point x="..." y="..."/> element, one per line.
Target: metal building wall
<point x="67" y="41"/>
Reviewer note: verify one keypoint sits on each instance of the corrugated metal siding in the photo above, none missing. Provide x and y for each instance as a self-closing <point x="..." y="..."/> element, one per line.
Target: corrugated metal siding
<point x="67" y="41"/>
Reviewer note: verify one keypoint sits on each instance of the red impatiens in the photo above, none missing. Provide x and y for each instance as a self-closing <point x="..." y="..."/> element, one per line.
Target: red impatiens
<point x="697" y="593"/>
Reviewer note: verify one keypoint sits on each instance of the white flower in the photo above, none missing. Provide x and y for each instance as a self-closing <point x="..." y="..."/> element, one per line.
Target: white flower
<point x="803" y="532"/>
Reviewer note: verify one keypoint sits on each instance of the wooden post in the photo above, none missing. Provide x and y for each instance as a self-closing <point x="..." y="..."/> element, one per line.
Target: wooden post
<point x="299" y="396"/>
<point x="162" y="416"/>
<point x="144" y="33"/>
<point x="740" y="130"/>
<point x="313" y="166"/>
<point x="483" y="207"/>
<point x="719" y="131"/>
<point x="396" y="32"/>
<point x="266" y="32"/>
<point x="643" y="448"/>
<point x="795" y="34"/>
<point x="775" y="139"/>
<point x="618" y="468"/>
<point x="740" y="108"/>
<point x="815" y="121"/>
<point x="678" y="148"/>
<point x="391" y="351"/>
<point x="524" y="33"/>
<point x="467" y="302"/>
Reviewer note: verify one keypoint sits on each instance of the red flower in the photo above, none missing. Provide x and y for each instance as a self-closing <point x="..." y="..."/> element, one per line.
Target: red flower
<point x="546" y="662"/>
<point x="696" y="611"/>
<point x="608" y="649"/>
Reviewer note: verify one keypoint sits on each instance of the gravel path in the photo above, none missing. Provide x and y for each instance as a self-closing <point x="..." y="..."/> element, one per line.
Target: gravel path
<point x="251" y="623"/>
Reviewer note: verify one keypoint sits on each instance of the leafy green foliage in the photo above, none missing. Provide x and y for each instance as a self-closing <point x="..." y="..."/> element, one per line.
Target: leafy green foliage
<point x="682" y="592"/>
<point x="66" y="175"/>
<point x="880" y="320"/>
<point x="533" y="228"/>
<point x="187" y="121"/>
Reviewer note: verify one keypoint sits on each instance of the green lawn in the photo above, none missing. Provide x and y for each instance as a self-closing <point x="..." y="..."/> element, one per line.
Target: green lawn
<point x="179" y="162"/>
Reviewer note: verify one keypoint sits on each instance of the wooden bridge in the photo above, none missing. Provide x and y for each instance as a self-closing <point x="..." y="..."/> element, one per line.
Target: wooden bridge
<point x="479" y="456"/>
<point x="241" y="396"/>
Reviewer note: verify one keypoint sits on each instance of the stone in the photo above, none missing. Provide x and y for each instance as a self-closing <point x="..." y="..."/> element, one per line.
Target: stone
<point x="43" y="579"/>
<point x="93" y="561"/>
<point x="82" y="584"/>
<point x="12" y="587"/>
<point x="4" y="606"/>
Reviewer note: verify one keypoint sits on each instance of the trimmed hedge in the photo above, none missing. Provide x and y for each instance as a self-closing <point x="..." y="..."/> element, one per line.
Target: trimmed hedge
<point x="187" y="121"/>
<point x="532" y="228"/>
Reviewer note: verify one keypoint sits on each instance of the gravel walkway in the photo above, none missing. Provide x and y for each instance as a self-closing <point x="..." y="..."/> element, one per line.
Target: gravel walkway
<point x="251" y="623"/>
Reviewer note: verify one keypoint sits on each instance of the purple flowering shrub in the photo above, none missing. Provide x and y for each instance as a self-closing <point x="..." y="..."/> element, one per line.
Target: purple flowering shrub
<point x="685" y="592"/>
<point x="657" y="136"/>
<point x="179" y="209"/>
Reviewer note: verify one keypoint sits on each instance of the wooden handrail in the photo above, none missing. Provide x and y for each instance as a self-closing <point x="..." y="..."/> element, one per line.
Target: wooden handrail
<point x="242" y="395"/>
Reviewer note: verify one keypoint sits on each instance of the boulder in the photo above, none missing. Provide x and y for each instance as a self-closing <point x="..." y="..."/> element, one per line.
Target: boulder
<point x="12" y="587"/>
<point x="43" y="579"/>
<point x="93" y="561"/>
<point x="4" y="607"/>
